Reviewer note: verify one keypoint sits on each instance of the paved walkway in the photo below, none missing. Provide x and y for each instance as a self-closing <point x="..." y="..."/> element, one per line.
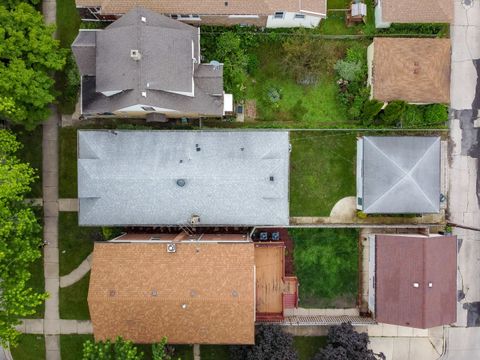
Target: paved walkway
<point x="77" y="273"/>
<point x="65" y="327"/>
<point x="51" y="324"/>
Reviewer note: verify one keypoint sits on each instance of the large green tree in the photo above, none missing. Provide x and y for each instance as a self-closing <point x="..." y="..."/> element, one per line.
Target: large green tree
<point x="19" y="240"/>
<point x="28" y="57"/>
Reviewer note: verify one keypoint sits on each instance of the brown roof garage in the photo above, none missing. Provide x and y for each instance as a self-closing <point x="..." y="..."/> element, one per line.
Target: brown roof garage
<point x="415" y="280"/>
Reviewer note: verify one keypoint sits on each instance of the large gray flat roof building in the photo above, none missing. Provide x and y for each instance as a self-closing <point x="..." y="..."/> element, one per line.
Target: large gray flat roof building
<point x="149" y="178"/>
<point x="398" y="175"/>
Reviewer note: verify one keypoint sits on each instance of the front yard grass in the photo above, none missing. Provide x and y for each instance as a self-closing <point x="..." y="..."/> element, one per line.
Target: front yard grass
<point x="71" y="346"/>
<point x="37" y="283"/>
<point x="322" y="171"/>
<point x="214" y="352"/>
<point x="31" y="153"/>
<point x="308" y="346"/>
<point x="75" y="242"/>
<point x="68" y="163"/>
<point x="326" y="263"/>
<point x="30" y="347"/>
<point x="73" y="300"/>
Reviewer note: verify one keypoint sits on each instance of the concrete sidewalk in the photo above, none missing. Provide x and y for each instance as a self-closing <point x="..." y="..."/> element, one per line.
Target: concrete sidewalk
<point x="37" y="326"/>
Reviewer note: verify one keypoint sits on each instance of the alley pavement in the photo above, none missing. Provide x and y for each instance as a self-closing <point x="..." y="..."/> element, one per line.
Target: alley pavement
<point x="464" y="193"/>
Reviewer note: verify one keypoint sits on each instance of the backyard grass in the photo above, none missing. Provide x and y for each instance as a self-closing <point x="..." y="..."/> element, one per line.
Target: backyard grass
<point x="75" y="242"/>
<point x="299" y="105"/>
<point x="308" y="346"/>
<point x="71" y="346"/>
<point x="334" y="24"/>
<point x="322" y="171"/>
<point x="68" y="163"/>
<point x="31" y="153"/>
<point x="326" y="263"/>
<point x="73" y="300"/>
<point x="30" y="347"/>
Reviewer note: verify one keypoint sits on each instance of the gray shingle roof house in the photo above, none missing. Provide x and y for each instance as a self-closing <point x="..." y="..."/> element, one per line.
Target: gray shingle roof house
<point x="398" y="175"/>
<point x="173" y="177"/>
<point x="146" y="63"/>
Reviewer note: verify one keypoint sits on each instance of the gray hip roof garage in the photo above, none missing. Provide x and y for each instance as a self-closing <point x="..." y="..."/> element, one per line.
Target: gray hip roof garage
<point x="167" y="177"/>
<point x="399" y="174"/>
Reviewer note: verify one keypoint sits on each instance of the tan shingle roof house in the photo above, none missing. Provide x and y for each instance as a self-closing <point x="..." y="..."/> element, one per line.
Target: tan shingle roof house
<point x="200" y="288"/>
<point x="410" y="69"/>
<point x="200" y="293"/>
<point x="412" y="11"/>
<point x="269" y="13"/>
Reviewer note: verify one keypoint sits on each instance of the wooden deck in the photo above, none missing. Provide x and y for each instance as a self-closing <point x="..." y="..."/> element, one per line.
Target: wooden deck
<point x="269" y="263"/>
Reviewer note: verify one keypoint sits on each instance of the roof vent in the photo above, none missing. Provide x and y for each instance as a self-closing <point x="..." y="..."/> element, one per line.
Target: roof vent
<point x="181" y="182"/>
<point x="416" y="285"/>
<point x="184" y="306"/>
<point x="195" y="219"/>
<point x="144" y="19"/>
<point x="430" y="285"/>
<point x="135" y="55"/>
<point x="234" y="293"/>
<point x="171" y="248"/>
<point x="272" y="178"/>
<point x="154" y="292"/>
<point x="226" y="3"/>
<point x="144" y="94"/>
<point x="111" y="293"/>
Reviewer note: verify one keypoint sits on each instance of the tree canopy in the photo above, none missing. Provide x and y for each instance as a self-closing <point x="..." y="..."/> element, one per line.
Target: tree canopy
<point x="345" y="343"/>
<point x="271" y="343"/>
<point x="19" y="240"/>
<point x="28" y="56"/>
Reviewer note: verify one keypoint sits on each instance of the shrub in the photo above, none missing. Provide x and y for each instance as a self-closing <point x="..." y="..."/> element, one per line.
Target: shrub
<point x="349" y="70"/>
<point x="120" y="349"/>
<point x="271" y="342"/>
<point x="413" y="117"/>
<point x="370" y="110"/>
<point x="436" y="114"/>
<point x="345" y="343"/>
<point x="69" y="94"/>
<point x="393" y="112"/>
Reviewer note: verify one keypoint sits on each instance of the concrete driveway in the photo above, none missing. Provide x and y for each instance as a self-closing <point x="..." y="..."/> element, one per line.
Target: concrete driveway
<point x="464" y="194"/>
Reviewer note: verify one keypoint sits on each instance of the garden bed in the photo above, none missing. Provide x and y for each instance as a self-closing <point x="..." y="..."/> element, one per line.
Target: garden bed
<point x="326" y="263"/>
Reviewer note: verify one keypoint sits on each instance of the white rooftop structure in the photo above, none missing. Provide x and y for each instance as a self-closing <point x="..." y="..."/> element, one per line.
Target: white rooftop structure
<point x="148" y="178"/>
<point x="398" y="175"/>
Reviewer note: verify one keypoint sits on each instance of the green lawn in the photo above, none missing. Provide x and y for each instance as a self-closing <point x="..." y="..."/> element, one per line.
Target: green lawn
<point x="73" y="300"/>
<point x="299" y="105"/>
<point x="308" y="346"/>
<point x="30" y="347"/>
<point x="322" y="171"/>
<point x="37" y="283"/>
<point x="326" y="264"/>
<point x="75" y="242"/>
<point x="68" y="163"/>
<point x="214" y="352"/>
<point x="31" y="153"/>
<point x="71" y="346"/>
